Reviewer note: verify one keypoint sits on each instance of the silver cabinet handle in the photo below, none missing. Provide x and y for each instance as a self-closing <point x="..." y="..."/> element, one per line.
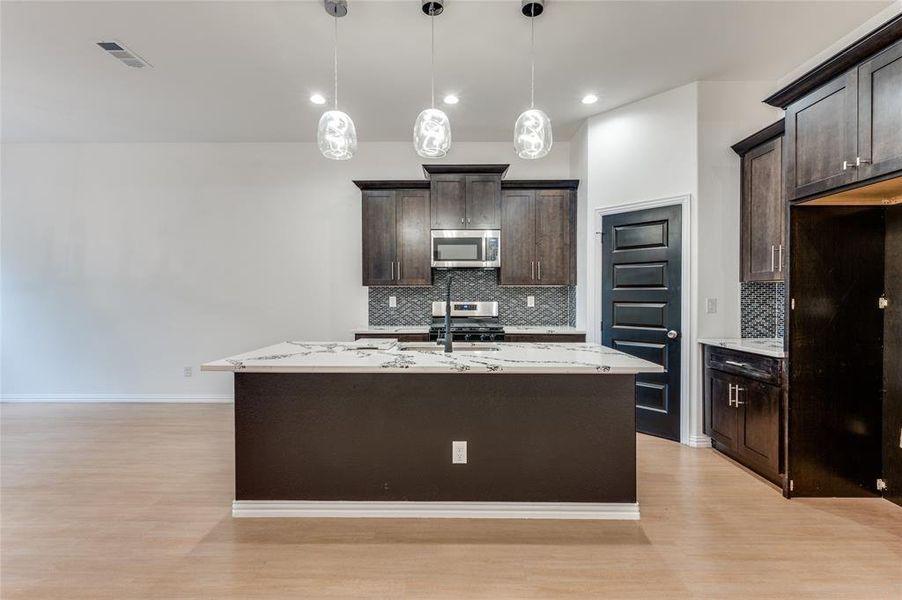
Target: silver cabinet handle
<point x="392" y="263"/>
<point x="850" y="165"/>
<point x="780" y="263"/>
<point x="773" y="252"/>
<point x="469" y="220"/>
<point x="540" y="269"/>
<point x="862" y="161"/>
<point x="672" y="334"/>
<point x="532" y="269"/>
<point x="730" y="399"/>
<point x="399" y="270"/>
<point x="737" y="402"/>
<point x="735" y="364"/>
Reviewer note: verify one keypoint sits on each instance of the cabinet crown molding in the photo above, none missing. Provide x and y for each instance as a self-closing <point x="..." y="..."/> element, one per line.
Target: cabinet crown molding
<point x="498" y="169"/>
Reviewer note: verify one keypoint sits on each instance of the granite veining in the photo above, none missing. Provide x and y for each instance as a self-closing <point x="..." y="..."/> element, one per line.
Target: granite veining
<point x="772" y="347"/>
<point x="380" y="356"/>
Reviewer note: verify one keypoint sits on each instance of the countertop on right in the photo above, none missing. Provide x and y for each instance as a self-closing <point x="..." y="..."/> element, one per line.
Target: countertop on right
<point x="772" y="347"/>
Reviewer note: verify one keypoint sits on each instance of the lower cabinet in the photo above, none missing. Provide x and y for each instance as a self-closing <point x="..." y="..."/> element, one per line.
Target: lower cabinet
<point x="401" y="337"/>
<point x="743" y="400"/>
<point x="560" y="338"/>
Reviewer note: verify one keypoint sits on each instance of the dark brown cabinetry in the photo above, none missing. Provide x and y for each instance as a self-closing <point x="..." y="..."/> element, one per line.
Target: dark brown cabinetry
<point x="401" y="337"/>
<point x="396" y="246"/>
<point x="847" y="131"/>
<point x="538" y="237"/>
<point x="552" y="338"/>
<point x="466" y="201"/>
<point x="743" y="399"/>
<point x="761" y="234"/>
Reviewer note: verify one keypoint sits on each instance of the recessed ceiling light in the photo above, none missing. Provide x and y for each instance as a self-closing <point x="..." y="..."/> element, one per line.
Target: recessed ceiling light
<point x="590" y="99"/>
<point x="451" y="99"/>
<point x="317" y="99"/>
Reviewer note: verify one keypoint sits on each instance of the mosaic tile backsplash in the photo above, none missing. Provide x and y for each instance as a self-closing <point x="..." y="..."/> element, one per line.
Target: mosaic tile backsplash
<point x="554" y="305"/>
<point x="762" y="308"/>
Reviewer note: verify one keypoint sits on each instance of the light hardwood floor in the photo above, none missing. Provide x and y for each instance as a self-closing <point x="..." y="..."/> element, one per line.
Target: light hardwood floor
<point x="132" y="501"/>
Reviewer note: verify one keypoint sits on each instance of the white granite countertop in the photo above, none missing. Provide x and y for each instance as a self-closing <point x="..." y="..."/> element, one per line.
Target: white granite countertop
<point x="387" y="356"/>
<point x="521" y="329"/>
<point x="766" y="346"/>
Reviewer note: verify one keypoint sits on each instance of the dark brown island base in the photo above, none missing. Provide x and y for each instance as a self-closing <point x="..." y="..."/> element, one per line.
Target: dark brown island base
<point x="361" y="430"/>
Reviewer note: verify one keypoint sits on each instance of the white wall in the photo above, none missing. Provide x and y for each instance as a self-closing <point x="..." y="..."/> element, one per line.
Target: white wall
<point x="673" y="144"/>
<point x="123" y="263"/>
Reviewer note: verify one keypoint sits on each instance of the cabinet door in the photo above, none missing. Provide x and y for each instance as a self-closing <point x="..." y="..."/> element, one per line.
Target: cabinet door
<point x="483" y="201"/>
<point x="821" y="138"/>
<point x="552" y="237"/>
<point x="758" y="443"/>
<point x="762" y="213"/>
<point x="880" y="113"/>
<point x="518" y="238"/>
<point x="722" y="418"/>
<point x="414" y="255"/>
<point x="379" y="237"/>
<point x="449" y="201"/>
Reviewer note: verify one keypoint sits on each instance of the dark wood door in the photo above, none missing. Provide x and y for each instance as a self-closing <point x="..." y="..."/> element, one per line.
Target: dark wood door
<point x="552" y="237"/>
<point x="518" y="238"/>
<point x="449" y="201"/>
<point x="379" y="237"/>
<point x="483" y="194"/>
<point x="880" y="113"/>
<point x="414" y="255"/>
<point x="821" y="138"/>
<point x="762" y="213"/>
<point x="892" y="358"/>
<point x="758" y="442"/>
<point x="641" y="293"/>
<point x="722" y="418"/>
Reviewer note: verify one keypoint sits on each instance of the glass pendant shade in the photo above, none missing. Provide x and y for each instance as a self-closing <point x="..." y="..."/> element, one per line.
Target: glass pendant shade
<point x="432" y="133"/>
<point x="336" y="135"/>
<point x="532" y="134"/>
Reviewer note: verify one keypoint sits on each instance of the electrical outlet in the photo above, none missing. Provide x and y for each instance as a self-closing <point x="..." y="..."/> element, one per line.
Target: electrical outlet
<point x="392" y="301"/>
<point x="188" y="371"/>
<point x="458" y="453"/>
<point x="711" y="305"/>
<point x="530" y="302"/>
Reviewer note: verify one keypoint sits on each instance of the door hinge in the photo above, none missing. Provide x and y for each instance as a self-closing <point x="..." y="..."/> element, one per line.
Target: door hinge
<point x="882" y="301"/>
<point x="881" y="485"/>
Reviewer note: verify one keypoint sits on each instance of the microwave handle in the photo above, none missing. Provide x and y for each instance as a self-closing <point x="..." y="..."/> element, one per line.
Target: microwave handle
<point x="485" y="249"/>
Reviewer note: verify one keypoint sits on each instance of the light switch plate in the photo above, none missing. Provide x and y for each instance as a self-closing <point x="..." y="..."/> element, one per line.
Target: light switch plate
<point x="710" y="305"/>
<point x="392" y="301"/>
<point x="458" y="453"/>
<point x="530" y="302"/>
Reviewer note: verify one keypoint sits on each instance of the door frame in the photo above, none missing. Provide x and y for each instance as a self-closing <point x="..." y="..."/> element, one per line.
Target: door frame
<point x="687" y="334"/>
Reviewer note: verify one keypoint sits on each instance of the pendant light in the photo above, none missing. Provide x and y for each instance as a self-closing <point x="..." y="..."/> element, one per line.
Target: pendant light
<point x="532" y="131"/>
<point x="432" y="129"/>
<point x="336" y="135"/>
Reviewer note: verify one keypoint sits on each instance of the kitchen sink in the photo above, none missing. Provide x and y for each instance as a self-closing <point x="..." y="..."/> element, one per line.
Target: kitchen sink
<point x="457" y="347"/>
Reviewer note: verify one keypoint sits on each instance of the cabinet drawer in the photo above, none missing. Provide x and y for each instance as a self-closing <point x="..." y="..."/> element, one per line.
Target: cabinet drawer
<point x="755" y="366"/>
<point x="559" y="338"/>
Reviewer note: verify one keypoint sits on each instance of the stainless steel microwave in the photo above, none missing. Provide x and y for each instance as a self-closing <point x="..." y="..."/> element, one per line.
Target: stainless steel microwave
<point x="478" y="248"/>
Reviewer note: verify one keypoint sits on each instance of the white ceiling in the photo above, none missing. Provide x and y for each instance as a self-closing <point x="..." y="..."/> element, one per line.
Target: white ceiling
<point x="243" y="71"/>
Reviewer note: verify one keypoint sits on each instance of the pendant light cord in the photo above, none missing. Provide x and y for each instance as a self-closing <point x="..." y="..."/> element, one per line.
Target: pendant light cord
<point x="532" y="59"/>
<point x="432" y="64"/>
<point x="335" y="60"/>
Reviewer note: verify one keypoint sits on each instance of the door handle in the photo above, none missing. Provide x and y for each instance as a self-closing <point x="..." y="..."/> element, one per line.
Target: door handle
<point x="469" y="220"/>
<point x="850" y="165"/>
<point x="773" y="252"/>
<point x="532" y="269"/>
<point x="399" y="270"/>
<point x="673" y="334"/>
<point x="780" y="263"/>
<point x="539" y="268"/>
<point x="730" y="399"/>
<point x="735" y="364"/>
<point x="392" y="263"/>
<point x="862" y="161"/>
<point x="461" y="220"/>
<point x="736" y="401"/>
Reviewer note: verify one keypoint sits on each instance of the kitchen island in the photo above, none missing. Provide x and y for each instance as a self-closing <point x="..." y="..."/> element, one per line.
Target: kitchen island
<point x="367" y="428"/>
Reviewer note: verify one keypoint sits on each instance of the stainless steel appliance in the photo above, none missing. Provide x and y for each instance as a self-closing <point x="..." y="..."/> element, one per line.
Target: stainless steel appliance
<point x="470" y="321"/>
<point x="456" y="248"/>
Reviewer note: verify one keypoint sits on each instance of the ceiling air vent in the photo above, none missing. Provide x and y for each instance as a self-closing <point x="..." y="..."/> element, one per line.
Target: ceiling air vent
<point x="118" y="51"/>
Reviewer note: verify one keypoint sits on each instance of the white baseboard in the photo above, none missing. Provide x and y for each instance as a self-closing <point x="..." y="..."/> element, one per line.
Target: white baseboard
<point x="168" y="398"/>
<point x="698" y="441"/>
<point x="436" y="510"/>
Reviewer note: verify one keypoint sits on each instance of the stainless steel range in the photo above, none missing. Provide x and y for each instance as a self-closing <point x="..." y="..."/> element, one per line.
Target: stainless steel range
<point x="470" y="321"/>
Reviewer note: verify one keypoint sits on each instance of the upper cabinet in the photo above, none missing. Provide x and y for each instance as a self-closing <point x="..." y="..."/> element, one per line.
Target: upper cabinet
<point x="538" y="237"/>
<point x="396" y="246"/>
<point x="762" y="237"/>
<point x="848" y="130"/>
<point x="466" y="196"/>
